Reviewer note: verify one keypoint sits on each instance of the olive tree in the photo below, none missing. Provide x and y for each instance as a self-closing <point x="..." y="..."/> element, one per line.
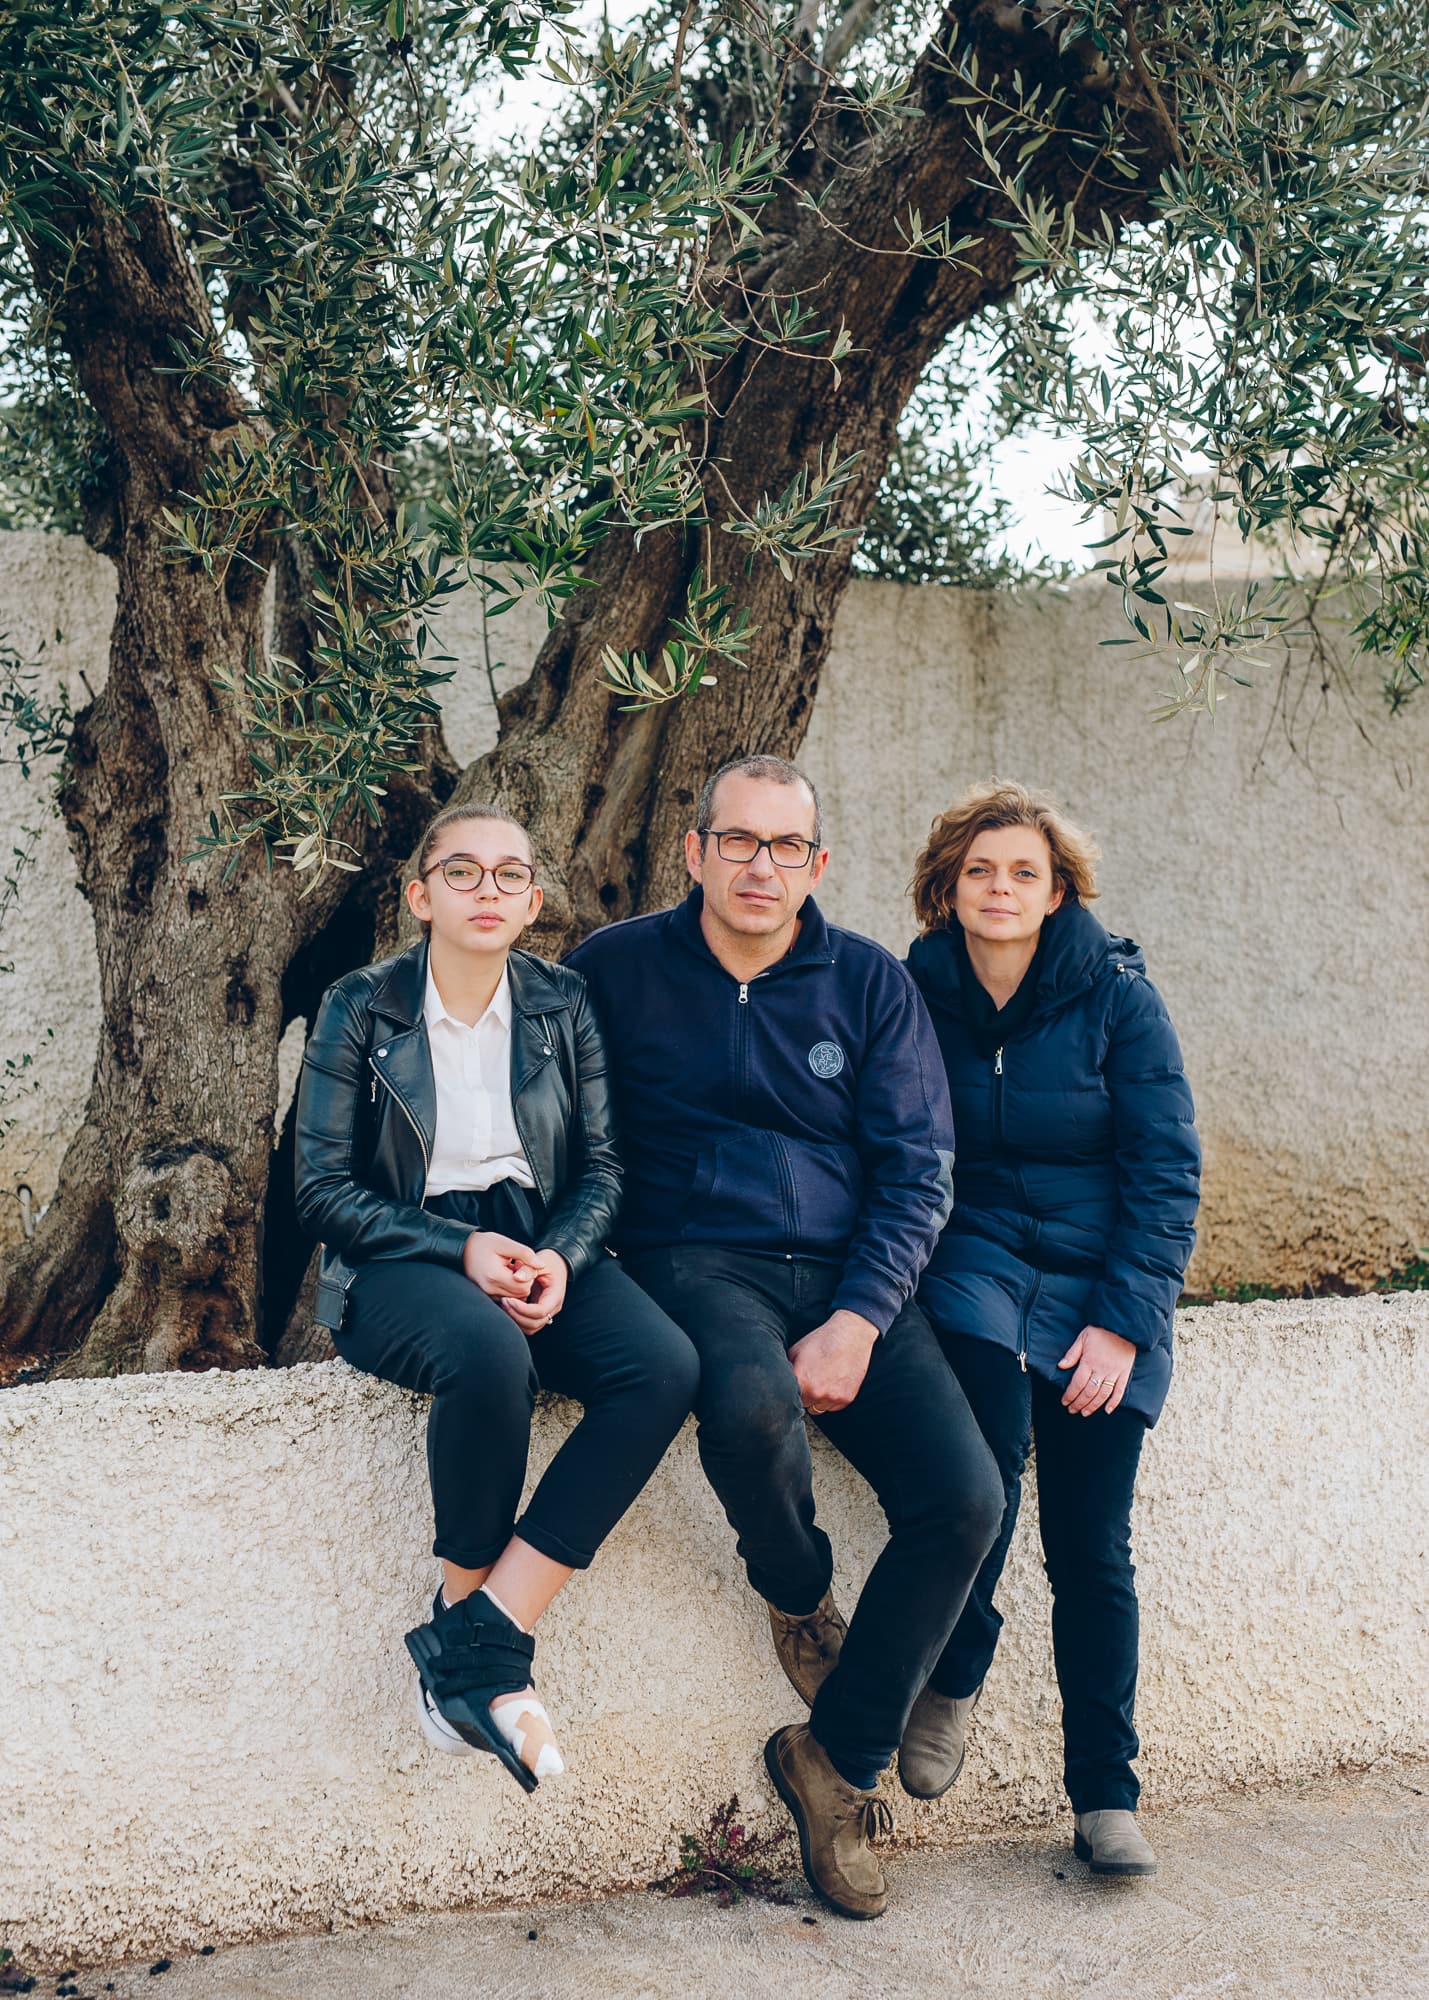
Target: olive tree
<point x="282" y="318"/>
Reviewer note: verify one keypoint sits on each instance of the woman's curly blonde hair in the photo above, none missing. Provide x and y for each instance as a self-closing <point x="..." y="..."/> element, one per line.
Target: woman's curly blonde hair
<point x="998" y="803"/>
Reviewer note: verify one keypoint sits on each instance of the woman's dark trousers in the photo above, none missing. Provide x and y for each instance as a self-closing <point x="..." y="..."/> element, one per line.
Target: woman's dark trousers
<point x="909" y="1432"/>
<point x="429" y="1328"/>
<point x="1086" y="1471"/>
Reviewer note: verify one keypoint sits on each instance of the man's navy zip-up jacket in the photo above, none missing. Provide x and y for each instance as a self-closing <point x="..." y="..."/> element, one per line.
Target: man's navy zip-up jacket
<point x="802" y="1113"/>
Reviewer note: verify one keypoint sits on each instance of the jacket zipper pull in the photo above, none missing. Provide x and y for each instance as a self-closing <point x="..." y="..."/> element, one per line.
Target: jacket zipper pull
<point x="373" y="1098"/>
<point x="744" y="992"/>
<point x="1022" y="1359"/>
<point x="997" y="1066"/>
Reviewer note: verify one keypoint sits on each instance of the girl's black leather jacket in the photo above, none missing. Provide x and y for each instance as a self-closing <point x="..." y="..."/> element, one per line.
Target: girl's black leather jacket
<point x="367" y="1113"/>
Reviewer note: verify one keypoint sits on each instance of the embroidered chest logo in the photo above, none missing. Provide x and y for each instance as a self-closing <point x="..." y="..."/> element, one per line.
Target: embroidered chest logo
<point x="826" y="1059"/>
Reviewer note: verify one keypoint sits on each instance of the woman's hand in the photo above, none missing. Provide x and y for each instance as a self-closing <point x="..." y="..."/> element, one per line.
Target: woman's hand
<point x="499" y="1266"/>
<point x="1103" y="1361"/>
<point x="547" y="1294"/>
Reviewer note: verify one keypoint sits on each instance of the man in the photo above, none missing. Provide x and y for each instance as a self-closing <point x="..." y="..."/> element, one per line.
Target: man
<point x="787" y="1141"/>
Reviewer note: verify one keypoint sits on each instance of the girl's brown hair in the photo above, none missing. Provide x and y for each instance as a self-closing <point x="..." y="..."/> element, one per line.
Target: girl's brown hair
<point x="985" y="807"/>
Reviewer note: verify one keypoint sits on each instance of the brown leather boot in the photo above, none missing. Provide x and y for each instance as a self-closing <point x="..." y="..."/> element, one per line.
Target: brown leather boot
<point x="808" y="1647"/>
<point x="835" y="1822"/>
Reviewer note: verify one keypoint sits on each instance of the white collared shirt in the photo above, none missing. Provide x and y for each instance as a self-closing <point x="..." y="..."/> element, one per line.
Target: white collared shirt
<point x="476" y="1143"/>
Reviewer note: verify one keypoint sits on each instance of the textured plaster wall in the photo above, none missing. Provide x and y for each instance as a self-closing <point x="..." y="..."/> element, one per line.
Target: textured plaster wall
<point x="56" y="607"/>
<point x="204" y="1580"/>
<point x="1272" y="870"/>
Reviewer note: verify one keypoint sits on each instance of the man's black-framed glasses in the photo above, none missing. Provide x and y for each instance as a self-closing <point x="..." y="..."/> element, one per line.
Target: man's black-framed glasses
<point x="786" y="850"/>
<point x="459" y="872"/>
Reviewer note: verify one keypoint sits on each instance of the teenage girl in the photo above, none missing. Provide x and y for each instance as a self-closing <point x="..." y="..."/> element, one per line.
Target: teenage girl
<point x="455" y="1158"/>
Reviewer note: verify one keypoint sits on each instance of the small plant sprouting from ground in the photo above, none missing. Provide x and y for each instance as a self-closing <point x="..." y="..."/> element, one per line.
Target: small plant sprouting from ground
<point x="725" y="1860"/>
<point x="13" y="1976"/>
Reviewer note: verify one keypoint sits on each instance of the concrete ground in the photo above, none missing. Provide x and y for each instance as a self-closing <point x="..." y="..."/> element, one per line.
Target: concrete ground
<point x="1317" y="1891"/>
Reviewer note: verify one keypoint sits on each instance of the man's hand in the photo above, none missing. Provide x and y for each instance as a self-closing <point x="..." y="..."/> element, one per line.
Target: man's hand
<point x="1103" y="1361"/>
<point x="547" y="1296"/>
<point x="831" y="1362"/>
<point x="501" y="1267"/>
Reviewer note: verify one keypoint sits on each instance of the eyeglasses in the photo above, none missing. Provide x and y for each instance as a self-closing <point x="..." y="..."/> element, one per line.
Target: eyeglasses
<point x="512" y="878"/>
<point x="789" y="850"/>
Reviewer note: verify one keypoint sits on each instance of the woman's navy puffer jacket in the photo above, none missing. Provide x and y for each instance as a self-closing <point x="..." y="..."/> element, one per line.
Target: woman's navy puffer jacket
<point x="1078" y="1165"/>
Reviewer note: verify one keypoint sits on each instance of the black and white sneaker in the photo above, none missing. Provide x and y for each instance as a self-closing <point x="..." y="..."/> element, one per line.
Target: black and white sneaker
<point x="468" y="1654"/>
<point x="434" y="1725"/>
<point x="438" y="1731"/>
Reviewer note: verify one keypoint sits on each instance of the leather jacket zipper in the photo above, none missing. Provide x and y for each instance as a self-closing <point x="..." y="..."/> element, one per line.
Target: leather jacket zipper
<point x="395" y="1093"/>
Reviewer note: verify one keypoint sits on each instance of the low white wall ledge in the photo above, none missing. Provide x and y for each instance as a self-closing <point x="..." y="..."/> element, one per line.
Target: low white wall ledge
<point x="207" y="1706"/>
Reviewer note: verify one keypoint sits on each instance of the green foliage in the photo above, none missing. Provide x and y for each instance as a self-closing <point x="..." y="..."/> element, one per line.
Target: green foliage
<point x="34" y="729"/>
<point x="520" y="345"/>
<point x="1412" y="1276"/>
<point x="380" y="295"/>
<point x="707" y="632"/>
<point x="935" y="519"/>
<point x="1261" y="338"/>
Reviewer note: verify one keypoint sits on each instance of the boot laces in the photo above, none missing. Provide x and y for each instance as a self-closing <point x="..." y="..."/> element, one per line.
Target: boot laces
<point x="809" y="1630"/>
<point x="868" y="1814"/>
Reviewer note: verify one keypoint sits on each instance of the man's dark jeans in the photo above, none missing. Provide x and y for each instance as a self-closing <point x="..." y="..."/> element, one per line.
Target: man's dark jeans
<point x="909" y="1432"/>
<point x="1086" y="1470"/>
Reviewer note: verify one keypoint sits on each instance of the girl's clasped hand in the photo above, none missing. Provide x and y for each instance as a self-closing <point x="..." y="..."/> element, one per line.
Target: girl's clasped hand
<point x="530" y="1285"/>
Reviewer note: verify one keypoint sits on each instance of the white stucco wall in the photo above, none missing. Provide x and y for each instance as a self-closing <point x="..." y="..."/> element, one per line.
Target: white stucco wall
<point x="1275" y="877"/>
<point x="204" y="1581"/>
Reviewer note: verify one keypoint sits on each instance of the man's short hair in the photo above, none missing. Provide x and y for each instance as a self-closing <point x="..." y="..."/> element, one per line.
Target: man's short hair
<point x="777" y="770"/>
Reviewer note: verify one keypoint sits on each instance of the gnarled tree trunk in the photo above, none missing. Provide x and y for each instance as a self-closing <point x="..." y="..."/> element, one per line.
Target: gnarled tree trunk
<point x="149" y="1257"/>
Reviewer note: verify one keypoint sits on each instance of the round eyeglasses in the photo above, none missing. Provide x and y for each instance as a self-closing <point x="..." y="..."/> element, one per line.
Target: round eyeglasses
<point x="512" y="878"/>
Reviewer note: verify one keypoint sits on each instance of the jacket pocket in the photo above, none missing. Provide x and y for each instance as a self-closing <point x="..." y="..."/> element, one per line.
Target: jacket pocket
<point x="331" y="1296"/>
<point x="743" y="1180"/>
<point x="826" y="1189"/>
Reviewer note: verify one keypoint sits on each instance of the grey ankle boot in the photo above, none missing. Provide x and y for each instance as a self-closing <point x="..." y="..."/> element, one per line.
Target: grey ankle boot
<point x="1111" y="1843"/>
<point x="935" y="1743"/>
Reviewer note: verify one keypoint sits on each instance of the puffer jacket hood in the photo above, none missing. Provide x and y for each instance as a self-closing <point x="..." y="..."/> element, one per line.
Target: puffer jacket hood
<point x="1078" y="1164"/>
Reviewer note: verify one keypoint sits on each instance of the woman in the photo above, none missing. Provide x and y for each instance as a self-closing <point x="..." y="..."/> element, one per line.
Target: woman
<point x="455" y="1158"/>
<point x="1054" y="1285"/>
